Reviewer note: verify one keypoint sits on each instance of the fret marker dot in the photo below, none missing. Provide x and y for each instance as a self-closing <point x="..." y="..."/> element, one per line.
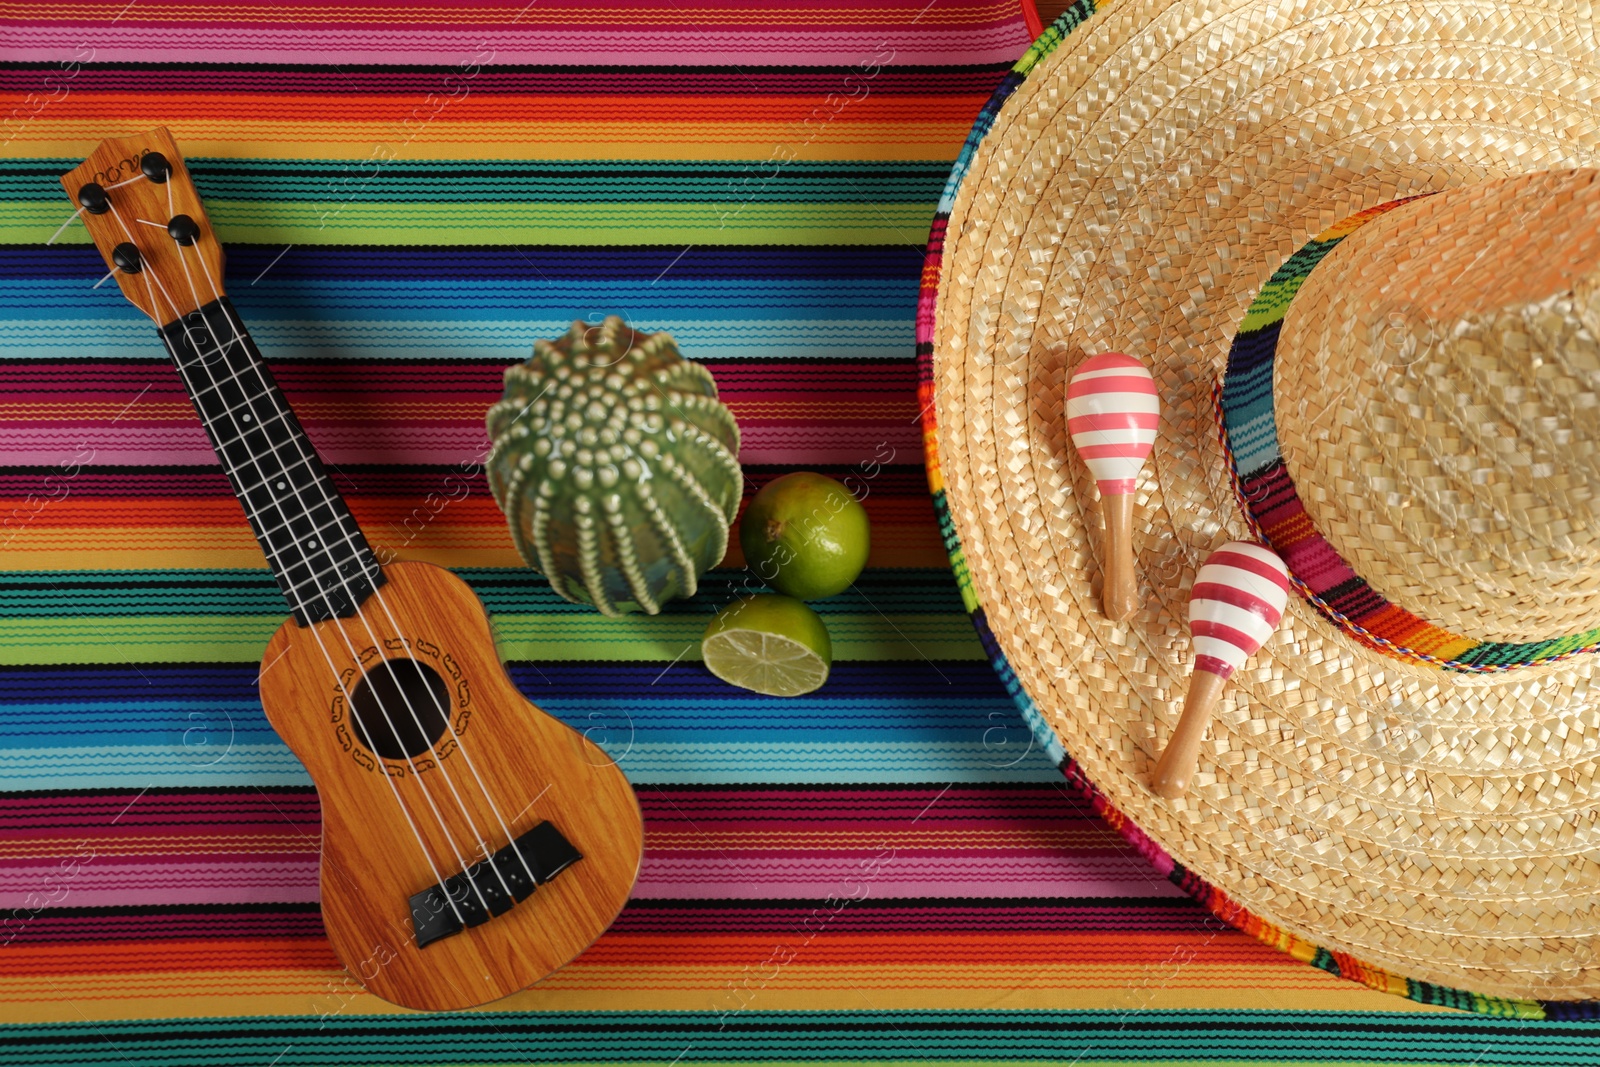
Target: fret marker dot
<point x="280" y="485"/>
<point x="248" y="417"/>
<point x="311" y="543"/>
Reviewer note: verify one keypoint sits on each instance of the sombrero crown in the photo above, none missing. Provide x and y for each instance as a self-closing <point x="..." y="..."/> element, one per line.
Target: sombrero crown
<point x="1413" y="416"/>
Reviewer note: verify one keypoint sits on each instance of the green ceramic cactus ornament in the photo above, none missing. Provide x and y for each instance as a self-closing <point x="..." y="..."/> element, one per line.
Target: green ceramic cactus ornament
<point x="616" y="466"/>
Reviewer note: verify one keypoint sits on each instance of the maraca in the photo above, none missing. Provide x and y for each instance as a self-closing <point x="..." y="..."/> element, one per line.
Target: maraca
<point x="1112" y="411"/>
<point x="1238" y="598"/>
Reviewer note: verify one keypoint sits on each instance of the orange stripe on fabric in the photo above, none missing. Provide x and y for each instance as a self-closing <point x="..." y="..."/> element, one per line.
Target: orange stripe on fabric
<point x="133" y="957"/>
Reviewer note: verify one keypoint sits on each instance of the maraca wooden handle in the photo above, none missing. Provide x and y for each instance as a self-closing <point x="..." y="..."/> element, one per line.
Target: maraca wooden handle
<point x="1119" y="597"/>
<point x="1176" y="766"/>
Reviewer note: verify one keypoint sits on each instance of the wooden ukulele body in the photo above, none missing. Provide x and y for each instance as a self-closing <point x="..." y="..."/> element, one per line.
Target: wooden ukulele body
<point x="535" y="767"/>
<point x="487" y="789"/>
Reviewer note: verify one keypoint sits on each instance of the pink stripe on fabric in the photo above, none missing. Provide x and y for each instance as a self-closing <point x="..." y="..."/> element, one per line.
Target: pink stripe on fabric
<point x="902" y="874"/>
<point x="763" y="441"/>
<point x="106" y="881"/>
<point x="926" y="302"/>
<point x="1285" y="506"/>
<point x="920" y="873"/>
<point x="378" y="382"/>
<point x="632" y="46"/>
<point x="1315" y="562"/>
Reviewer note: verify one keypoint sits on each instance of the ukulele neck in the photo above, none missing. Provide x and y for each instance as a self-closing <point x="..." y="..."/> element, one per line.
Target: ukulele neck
<point x="317" y="553"/>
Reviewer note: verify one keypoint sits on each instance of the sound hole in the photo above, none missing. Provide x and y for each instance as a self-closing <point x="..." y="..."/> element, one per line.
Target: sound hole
<point x="384" y="701"/>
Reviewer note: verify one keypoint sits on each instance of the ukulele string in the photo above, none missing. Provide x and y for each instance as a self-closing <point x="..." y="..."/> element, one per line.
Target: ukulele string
<point x="416" y="718"/>
<point x="333" y="670"/>
<point x="390" y="720"/>
<point x="155" y="308"/>
<point x="214" y="384"/>
<point x="70" y="220"/>
<point x="193" y="292"/>
<point x="146" y="275"/>
<point x="482" y="845"/>
<point x="461" y="745"/>
<point x="432" y="866"/>
<point x="471" y="766"/>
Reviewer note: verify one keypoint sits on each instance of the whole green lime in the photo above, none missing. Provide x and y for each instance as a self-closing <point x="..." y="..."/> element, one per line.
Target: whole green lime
<point x="806" y="536"/>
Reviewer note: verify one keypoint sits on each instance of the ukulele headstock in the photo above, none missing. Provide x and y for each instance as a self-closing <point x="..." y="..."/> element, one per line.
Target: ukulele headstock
<point x="136" y="199"/>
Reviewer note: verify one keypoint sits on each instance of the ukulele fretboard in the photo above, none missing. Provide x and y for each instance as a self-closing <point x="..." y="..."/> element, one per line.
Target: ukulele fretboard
<point x="316" y="551"/>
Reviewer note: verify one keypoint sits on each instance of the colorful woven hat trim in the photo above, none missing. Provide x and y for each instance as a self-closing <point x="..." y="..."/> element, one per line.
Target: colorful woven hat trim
<point x="1276" y="514"/>
<point x="1213" y="899"/>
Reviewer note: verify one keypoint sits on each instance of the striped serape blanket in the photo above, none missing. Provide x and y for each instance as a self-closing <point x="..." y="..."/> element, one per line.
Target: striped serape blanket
<point x="890" y="869"/>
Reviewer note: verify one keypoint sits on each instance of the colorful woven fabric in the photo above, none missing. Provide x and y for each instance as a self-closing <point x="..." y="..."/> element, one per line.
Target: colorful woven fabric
<point x="890" y="869"/>
<point x="1213" y="899"/>
<point x="1274" y="510"/>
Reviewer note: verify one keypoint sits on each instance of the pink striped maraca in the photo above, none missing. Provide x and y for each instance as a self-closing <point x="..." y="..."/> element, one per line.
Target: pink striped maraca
<point x="1238" y="598"/>
<point x="1112" y="412"/>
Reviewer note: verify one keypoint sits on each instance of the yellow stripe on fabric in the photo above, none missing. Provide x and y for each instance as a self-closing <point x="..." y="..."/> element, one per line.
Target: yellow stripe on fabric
<point x="136" y="639"/>
<point x="375" y="142"/>
<point x="1442" y="644"/>
<point x="665" y="637"/>
<point x="575" y="638"/>
<point x="333" y="223"/>
<point x="930" y="442"/>
<point x="798" y="987"/>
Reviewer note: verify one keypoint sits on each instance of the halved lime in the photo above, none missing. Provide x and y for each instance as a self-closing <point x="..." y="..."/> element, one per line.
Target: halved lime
<point x="768" y="644"/>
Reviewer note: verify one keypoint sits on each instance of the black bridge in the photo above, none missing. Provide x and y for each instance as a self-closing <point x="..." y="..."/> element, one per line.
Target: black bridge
<point x="459" y="901"/>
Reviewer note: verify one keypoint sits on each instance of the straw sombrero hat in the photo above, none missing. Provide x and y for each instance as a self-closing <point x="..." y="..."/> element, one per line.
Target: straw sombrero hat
<point x="1355" y="245"/>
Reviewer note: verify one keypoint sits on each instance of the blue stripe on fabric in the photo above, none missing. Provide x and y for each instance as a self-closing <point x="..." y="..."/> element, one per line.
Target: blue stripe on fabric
<point x="495" y="342"/>
<point x="872" y="722"/>
<point x="1247" y="401"/>
<point x="881" y="762"/>
<point x="1254" y="442"/>
<point x="451" y="301"/>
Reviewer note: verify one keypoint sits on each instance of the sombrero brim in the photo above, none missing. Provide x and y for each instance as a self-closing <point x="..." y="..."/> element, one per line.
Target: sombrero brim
<point x="1130" y="186"/>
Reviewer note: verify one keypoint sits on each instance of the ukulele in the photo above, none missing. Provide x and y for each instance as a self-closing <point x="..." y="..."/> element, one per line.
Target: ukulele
<point x="471" y="843"/>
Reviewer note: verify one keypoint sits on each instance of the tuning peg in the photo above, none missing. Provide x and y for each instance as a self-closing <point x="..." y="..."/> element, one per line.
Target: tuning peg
<point x="183" y="229"/>
<point x="1112" y="413"/>
<point x="1238" y="599"/>
<point x="126" y="258"/>
<point x="156" y="167"/>
<point x="93" y="199"/>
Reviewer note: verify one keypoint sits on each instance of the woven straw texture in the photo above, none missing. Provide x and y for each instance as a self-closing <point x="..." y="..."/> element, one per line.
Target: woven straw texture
<point x="1464" y="326"/>
<point x="1134" y="193"/>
